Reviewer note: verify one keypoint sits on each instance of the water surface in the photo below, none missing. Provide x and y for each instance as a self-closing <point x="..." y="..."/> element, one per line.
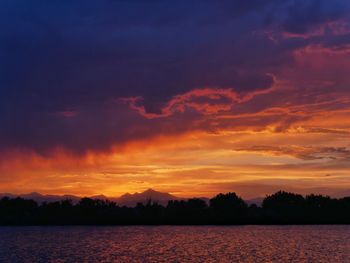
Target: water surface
<point x="176" y="244"/>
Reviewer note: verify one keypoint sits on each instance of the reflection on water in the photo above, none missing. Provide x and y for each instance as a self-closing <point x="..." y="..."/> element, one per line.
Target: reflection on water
<point x="176" y="244"/>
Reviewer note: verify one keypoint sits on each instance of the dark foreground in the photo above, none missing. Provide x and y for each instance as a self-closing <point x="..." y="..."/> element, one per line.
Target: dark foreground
<point x="176" y="244"/>
<point x="224" y="209"/>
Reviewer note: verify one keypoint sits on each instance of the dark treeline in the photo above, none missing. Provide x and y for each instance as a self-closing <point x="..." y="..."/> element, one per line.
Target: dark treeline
<point x="279" y="208"/>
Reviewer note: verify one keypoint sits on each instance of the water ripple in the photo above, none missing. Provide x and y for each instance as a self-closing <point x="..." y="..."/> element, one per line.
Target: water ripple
<point x="175" y="244"/>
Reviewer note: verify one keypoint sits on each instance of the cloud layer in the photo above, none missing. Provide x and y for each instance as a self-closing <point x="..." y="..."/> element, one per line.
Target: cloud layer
<point x="89" y="78"/>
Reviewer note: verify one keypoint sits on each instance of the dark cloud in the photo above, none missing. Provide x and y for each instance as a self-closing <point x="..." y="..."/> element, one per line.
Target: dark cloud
<point x="302" y="16"/>
<point x="61" y="57"/>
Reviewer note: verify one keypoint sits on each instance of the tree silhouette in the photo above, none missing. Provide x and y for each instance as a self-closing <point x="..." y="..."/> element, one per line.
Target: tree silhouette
<point x="283" y="201"/>
<point x="279" y="208"/>
<point x="228" y="208"/>
<point x="227" y="202"/>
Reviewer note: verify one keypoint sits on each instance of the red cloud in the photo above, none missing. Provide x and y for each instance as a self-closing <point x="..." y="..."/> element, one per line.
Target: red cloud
<point x="205" y="101"/>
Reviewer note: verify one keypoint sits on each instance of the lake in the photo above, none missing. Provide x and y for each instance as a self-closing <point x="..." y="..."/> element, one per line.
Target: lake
<point x="175" y="244"/>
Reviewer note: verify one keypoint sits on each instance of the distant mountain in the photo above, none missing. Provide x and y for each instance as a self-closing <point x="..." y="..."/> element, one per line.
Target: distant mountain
<point x="257" y="201"/>
<point x="124" y="200"/>
<point x="39" y="198"/>
<point x="148" y="195"/>
<point x="127" y="199"/>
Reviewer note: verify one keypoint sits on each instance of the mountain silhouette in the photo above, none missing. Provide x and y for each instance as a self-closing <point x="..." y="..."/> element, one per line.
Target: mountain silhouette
<point x="124" y="200"/>
<point x="40" y="198"/>
<point x="144" y="197"/>
<point x="127" y="199"/>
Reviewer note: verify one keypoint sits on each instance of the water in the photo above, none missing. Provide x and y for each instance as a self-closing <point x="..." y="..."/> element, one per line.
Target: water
<point x="176" y="244"/>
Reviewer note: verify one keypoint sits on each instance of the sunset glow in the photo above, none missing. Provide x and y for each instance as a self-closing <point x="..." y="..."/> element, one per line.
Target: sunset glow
<point x="98" y="102"/>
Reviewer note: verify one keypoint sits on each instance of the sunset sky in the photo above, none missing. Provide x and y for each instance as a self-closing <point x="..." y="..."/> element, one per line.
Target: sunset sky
<point x="188" y="97"/>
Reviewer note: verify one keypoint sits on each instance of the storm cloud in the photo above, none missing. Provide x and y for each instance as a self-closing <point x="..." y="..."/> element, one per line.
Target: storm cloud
<point x="86" y="75"/>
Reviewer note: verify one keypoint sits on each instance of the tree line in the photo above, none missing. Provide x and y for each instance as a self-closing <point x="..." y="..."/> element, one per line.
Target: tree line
<point x="224" y="209"/>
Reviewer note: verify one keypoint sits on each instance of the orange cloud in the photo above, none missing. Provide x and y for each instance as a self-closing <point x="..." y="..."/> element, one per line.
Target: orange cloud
<point x="195" y="163"/>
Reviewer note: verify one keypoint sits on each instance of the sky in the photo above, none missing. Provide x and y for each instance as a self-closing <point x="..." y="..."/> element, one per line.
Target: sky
<point x="188" y="97"/>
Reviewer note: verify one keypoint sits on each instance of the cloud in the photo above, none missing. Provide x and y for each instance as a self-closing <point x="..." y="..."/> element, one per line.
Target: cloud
<point x="299" y="17"/>
<point x="205" y="101"/>
<point x="183" y="67"/>
<point x="303" y="152"/>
